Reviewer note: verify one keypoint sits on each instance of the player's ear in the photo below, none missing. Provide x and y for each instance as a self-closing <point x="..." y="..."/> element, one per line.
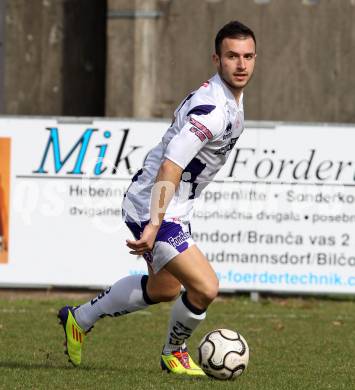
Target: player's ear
<point x="215" y="59"/>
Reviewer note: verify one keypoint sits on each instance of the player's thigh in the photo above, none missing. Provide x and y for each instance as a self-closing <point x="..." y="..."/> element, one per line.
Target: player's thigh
<point x="195" y="273"/>
<point x="162" y="286"/>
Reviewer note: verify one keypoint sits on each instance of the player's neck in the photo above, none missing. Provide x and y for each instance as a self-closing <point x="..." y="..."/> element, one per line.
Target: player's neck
<point x="236" y="92"/>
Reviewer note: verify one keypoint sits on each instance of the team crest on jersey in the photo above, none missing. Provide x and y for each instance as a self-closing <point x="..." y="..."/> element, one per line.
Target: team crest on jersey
<point x="228" y="131"/>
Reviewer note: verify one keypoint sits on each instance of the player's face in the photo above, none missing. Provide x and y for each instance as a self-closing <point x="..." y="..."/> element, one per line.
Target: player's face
<point x="235" y="64"/>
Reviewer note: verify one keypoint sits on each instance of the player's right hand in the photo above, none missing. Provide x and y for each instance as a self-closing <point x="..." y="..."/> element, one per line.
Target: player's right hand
<point x="146" y="242"/>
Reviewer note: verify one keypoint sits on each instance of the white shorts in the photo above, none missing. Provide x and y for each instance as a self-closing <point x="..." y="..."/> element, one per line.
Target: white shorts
<point x="173" y="238"/>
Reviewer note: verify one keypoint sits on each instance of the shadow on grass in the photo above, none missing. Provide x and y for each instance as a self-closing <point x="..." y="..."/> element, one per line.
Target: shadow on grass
<point x="12" y="365"/>
<point x="51" y="366"/>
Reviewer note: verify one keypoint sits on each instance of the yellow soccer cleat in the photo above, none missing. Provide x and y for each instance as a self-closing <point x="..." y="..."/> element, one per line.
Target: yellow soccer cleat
<point x="180" y="362"/>
<point x="74" y="335"/>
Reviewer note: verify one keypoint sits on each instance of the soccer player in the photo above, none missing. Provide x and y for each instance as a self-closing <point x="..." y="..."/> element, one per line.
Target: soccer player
<point x="158" y="205"/>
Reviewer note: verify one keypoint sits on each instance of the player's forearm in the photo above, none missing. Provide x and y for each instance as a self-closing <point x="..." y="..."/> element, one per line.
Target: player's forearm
<point x="167" y="181"/>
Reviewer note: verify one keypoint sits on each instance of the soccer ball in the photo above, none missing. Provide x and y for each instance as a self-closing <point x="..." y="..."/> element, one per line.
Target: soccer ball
<point x="223" y="354"/>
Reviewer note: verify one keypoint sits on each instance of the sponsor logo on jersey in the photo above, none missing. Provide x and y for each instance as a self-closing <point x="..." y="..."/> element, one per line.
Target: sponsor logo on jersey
<point x="201" y="127"/>
<point x="179" y="239"/>
<point x="227" y="135"/>
<point x="228" y="147"/>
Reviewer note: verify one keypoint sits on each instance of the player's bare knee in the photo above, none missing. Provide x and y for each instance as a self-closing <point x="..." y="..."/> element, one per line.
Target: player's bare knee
<point x="169" y="296"/>
<point x="211" y="292"/>
<point x="204" y="294"/>
<point x="201" y="299"/>
<point x="163" y="295"/>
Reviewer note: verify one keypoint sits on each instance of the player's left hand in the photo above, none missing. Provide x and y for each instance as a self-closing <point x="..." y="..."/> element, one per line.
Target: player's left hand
<point x="145" y="243"/>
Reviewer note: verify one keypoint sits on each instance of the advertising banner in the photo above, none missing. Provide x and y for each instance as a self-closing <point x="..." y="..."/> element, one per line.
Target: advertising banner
<point x="282" y="215"/>
<point x="279" y="216"/>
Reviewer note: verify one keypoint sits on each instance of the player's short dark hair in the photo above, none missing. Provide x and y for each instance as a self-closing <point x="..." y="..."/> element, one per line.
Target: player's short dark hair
<point x="233" y="29"/>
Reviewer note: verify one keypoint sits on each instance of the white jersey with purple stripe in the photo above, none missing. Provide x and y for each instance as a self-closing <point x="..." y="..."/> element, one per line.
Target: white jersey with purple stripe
<point x="206" y="126"/>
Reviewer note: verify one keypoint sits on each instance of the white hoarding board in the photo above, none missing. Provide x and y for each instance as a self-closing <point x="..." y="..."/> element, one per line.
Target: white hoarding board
<point x="279" y="217"/>
<point x="286" y="219"/>
<point x="67" y="182"/>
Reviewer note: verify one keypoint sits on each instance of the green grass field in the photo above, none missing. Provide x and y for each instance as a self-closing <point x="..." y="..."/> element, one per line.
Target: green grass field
<point x="295" y="344"/>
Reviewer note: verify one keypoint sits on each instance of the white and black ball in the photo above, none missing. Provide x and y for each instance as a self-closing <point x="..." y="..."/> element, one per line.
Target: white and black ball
<point x="223" y="354"/>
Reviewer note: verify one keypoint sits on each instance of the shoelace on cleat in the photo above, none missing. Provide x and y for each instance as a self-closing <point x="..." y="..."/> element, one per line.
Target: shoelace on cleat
<point x="183" y="358"/>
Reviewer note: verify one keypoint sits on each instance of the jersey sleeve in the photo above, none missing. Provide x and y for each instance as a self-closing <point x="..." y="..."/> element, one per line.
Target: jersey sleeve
<point x="194" y="135"/>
